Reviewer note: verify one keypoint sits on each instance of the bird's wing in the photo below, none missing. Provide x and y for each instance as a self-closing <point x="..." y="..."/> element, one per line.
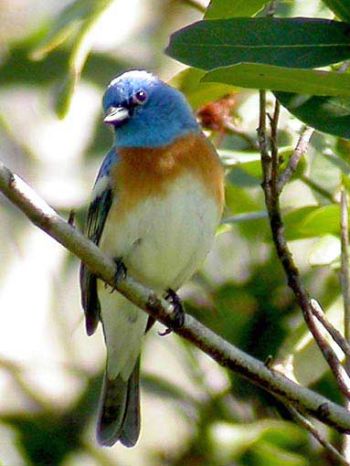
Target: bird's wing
<point x="97" y="214"/>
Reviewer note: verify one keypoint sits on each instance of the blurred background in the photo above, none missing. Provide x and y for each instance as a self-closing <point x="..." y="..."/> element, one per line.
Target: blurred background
<point x="56" y="59"/>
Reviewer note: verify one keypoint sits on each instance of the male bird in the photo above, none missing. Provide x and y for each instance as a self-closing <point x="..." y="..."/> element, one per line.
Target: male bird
<point x="157" y="201"/>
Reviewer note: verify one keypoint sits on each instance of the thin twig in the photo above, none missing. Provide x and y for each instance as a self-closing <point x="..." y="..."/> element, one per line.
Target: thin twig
<point x="212" y="344"/>
<point x="299" y="151"/>
<point x="270" y="176"/>
<point x="345" y="286"/>
<point x="334" y="333"/>
<point x="304" y="422"/>
<point x="344" y="272"/>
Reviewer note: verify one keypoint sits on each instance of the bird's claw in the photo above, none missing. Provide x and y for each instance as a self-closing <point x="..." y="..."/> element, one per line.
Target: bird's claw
<point x="178" y="312"/>
<point x="120" y="272"/>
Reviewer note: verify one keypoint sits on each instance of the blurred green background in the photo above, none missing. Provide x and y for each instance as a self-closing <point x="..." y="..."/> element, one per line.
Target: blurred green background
<point x="56" y="59"/>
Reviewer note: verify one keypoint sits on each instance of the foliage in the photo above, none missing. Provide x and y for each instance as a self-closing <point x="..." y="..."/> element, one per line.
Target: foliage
<point x="193" y="411"/>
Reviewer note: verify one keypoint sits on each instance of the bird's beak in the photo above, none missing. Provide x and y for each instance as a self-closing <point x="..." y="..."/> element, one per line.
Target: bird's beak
<point x="116" y="116"/>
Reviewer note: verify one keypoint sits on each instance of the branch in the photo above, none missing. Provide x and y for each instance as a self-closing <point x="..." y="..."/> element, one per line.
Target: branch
<point x="344" y="273"/>
<point x="227" y="355"/>
<point x="304" y="422"/>
<point x="270" y="186"/>
<point x="334" y="333"/>
<point x="345" y="286"/>
<point x="299" y="151"/>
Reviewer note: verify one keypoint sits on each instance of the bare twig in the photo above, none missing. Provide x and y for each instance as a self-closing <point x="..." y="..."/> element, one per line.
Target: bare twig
<point x="345" y="286"/>
<point x="270" y="179"/>
<point x="216" y="347"/>
<point x="334" y="333"/>
<point x="304" y="422"/>
<point x="344" y="273"/>
<point x="299" y="151"/>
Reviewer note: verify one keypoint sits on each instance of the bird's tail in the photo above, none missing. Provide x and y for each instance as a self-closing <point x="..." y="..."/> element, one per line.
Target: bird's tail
<point x="119" y="413"/>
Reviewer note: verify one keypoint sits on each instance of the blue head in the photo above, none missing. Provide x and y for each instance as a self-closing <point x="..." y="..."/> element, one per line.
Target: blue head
<point x="145" y="111"/>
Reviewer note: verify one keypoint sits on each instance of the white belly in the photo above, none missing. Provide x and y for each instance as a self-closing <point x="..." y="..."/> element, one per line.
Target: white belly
<point x="163" y="240"/>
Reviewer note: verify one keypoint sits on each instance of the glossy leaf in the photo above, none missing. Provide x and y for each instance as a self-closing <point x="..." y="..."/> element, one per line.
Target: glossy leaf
<point x="233" y="8"/>
<point x="328" y="114"/>
<point x="290" y="42"/>
<point x="278" y="78"/>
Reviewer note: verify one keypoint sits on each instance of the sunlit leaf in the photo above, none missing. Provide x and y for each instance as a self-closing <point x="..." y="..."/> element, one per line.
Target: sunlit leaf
<point x="300" y="348"/>
<point x="311" y="221"/>
<point x="277" y="78"/>
<point x="79" y="53"/>
<point x="62" y="27"/>
<point x="325" y="251"/>
<point x="232" y="8"/>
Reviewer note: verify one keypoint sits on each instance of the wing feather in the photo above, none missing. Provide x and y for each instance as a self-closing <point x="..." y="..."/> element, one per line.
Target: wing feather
<point x="96" y="218"/>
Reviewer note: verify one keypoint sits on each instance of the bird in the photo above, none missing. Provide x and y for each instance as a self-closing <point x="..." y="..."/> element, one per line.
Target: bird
<point x="156" y="204"/>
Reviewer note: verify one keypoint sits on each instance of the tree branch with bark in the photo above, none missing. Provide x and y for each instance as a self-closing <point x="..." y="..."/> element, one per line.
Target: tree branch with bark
<point x="273" y="184"/>
<point x="224" y="353"/>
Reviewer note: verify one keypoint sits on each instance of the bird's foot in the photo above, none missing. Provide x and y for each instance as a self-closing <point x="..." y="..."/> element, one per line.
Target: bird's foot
<point x="178" y="311"/>
<point x="121" y="272"/>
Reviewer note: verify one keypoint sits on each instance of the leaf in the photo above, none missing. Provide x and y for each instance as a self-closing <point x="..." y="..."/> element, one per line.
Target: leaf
<point x="80" y="51"/>
<point x="340" y="7"/>
<point x="231" y="8"/>
<point x="62" y="27"/>
<point x="311" y="221"/>
<point x="277" y="78"/>
<point x="329" y="114"/>
<point x="300" y="348"/>
<point x="290" y="42"/>
<point x="198" y="93"/>
<point x="325" y="251"/>
<point x="233" y="440"/>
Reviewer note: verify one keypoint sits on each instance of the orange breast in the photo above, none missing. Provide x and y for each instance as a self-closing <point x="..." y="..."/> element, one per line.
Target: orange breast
<point x="142" y="173"/>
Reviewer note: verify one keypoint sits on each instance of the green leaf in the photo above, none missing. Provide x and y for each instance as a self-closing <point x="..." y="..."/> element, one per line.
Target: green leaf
<point x="329" y="114"/>
<point x="79" y="54"/>
<point x="258" y="76"/>
<point x="340" y="7"/>
<point x="290" y="42"/>
<point x="62" y="27"/>
<point x="325" y="251"/>
<point x="198" y="93"/>
<point x="300" y="348"/>
<point x="311" y="221"/>
<point x="233" y="440"/>
<point x="232" y="8"/>
<point x="267" y="453"/>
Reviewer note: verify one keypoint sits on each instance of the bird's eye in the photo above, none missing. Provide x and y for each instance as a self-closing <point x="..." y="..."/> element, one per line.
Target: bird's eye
<point x="140" y="97"/>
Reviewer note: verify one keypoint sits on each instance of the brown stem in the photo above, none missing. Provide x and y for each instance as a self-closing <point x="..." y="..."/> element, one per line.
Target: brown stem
<point x="270" y="180"/>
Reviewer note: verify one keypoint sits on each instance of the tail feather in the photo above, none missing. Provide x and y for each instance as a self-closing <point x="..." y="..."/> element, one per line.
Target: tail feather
<point x="119" y="414"/>
<point x="131" y="425"/>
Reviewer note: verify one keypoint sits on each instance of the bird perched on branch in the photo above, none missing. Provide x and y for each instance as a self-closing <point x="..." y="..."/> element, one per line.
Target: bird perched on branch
<point x="156" y="203"/>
